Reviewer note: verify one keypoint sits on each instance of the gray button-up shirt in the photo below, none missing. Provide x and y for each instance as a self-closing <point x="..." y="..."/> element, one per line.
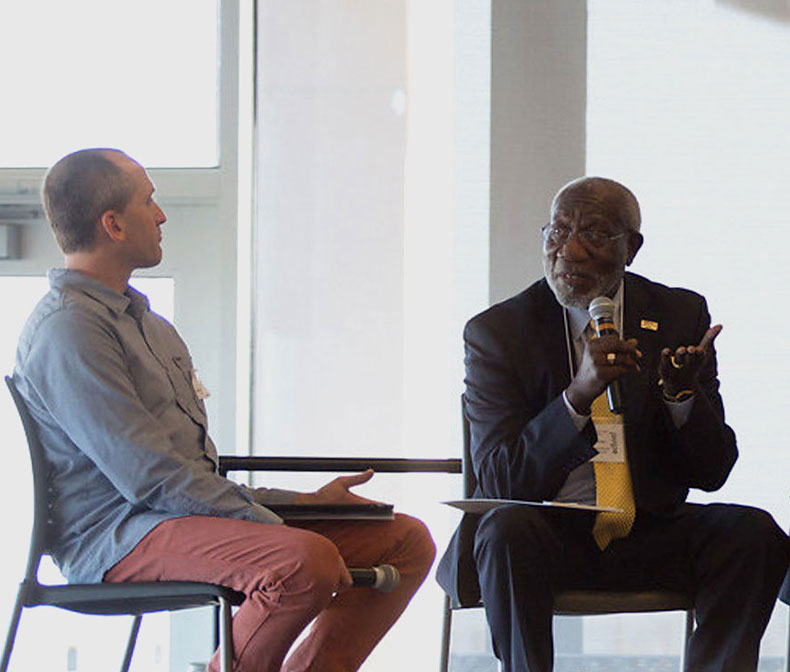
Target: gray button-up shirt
<point x="110" y="386"/>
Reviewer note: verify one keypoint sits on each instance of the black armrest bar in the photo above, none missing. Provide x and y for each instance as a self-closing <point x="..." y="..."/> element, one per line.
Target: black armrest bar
<point x="380" y="464"/>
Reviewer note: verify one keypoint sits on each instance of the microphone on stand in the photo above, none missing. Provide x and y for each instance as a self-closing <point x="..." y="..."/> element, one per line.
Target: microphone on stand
<point x="383" y="577"/>
<point x="602" y="313"/>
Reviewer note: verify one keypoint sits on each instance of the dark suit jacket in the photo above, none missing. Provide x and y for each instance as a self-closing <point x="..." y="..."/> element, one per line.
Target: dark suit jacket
<point x="523" y="441"/>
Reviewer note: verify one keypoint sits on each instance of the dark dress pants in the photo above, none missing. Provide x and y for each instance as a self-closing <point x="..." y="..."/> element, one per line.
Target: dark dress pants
<point x="732" y="559"/>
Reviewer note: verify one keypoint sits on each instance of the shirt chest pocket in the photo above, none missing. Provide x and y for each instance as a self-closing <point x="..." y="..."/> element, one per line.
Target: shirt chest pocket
<point x="180" y="372"/>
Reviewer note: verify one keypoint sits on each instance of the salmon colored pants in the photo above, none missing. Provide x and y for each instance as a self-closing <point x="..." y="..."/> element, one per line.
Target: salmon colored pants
<point x="290" y="576"/>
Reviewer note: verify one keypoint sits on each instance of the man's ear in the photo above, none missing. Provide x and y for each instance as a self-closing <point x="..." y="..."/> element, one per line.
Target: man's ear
<point x="635" y="241"/>
<point x="110" y="223"/>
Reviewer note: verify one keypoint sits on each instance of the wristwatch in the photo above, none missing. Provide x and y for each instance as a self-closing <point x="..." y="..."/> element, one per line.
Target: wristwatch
<point x="677" y="398"/>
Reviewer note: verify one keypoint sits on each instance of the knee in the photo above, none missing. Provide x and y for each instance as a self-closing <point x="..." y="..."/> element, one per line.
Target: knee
<point x="418" y="540"/>
<point x="515" y="540"/>
<point x="756" y="526"/>
<point x="754" y="532"/>
<point x="504" y="526"/>
<point x="515" y="537"/>
<point x="316" y="566"/>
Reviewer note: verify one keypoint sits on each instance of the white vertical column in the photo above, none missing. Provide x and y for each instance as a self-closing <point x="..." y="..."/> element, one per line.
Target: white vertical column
<point x="329" y="235"/>
<point x="538" y="108"/>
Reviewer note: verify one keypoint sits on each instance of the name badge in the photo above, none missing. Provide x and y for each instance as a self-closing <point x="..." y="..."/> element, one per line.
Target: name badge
<point x="611" y="442"/>
<point x="200" y="389"/>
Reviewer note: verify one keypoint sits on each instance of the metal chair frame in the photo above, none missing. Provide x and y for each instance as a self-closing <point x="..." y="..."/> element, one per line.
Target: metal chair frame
<point x="784" y="596"/>
<point x="133" y="599"/>
<point x="574" y="602"/>
<point x="138" y="598"/>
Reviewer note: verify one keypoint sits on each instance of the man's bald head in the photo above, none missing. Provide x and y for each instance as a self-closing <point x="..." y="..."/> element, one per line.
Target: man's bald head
<point x="615" y="198"/>
<point x="78" y="189"/>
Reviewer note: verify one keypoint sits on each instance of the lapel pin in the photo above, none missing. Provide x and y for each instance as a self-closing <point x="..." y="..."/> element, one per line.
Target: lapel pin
<point x="649" y="325"/>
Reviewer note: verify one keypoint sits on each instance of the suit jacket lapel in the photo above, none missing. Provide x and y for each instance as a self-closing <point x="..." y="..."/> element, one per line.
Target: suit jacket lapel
<point x="550" y="332"/>
<point x="642" y="321"/>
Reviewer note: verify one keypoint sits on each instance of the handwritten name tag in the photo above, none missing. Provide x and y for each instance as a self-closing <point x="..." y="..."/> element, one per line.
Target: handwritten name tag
<point x="200" y="389"/>
<point x="611" y="442"/>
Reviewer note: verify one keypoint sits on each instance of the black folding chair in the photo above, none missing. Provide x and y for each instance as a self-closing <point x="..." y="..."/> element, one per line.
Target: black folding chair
<point x="134" y="599"/>
<point x="573" y="602"/>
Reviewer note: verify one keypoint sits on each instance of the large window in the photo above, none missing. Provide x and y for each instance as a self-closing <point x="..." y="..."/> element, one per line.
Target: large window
<point x="143" y="77"/>
<point x="688" y="105"/>
<point x="99" y="73"/>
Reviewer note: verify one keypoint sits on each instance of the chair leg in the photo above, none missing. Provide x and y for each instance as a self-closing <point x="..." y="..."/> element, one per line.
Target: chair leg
<point x="225" y="637"/>
<point x="13" y="625"/>
<point x="127" y="658"/>
<point x="215" y="623"/>
<point x="686" y="637"/>
<point x="444" y="660"/>
<point x="787" y="660"/>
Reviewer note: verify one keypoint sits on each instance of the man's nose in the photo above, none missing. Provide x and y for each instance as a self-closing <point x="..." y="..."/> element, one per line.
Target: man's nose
<point x="573" y="248"/>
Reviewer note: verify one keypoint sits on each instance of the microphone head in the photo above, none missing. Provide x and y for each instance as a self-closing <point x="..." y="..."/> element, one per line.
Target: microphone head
<point x="601" y="308"/>
<point x="387" y="578"/>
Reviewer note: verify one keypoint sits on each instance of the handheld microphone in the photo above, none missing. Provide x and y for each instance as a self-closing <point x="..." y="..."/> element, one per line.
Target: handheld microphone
<point x="602" y="313"/>
<point x="383" y="577"/>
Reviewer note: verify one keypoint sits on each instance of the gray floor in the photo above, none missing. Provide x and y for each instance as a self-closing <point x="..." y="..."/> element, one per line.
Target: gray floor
<point x="582" y="663"/>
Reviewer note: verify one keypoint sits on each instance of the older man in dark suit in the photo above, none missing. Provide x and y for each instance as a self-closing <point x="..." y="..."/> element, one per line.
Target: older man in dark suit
<point x="541" y="429"/>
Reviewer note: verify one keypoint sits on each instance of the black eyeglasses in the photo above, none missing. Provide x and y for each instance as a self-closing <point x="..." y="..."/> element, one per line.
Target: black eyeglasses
<point x="557" y="236"/>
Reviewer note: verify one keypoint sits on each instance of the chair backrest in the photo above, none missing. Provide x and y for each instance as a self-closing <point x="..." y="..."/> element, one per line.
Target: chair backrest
<point x="41" y="518"/>
<point x="470" y="481"/>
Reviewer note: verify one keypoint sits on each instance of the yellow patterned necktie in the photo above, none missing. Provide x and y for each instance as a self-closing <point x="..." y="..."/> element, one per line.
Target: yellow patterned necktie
<point x="612" y="485"/>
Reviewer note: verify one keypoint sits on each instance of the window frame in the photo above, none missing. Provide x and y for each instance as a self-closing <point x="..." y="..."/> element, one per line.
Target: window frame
<point x="21" y="185"/>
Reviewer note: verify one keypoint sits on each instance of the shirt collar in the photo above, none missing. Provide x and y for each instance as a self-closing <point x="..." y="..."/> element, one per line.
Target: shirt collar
<point x="579" y="318"/>
<point x="131" y="301"/>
